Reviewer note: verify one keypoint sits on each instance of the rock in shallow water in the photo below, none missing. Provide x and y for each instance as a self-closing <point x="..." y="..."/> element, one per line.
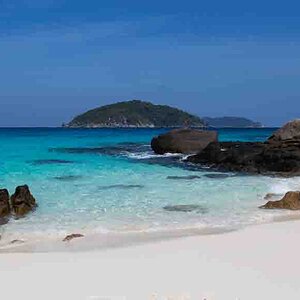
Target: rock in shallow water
<point x="51" y="162"/>
<point x="185" y="141"/>
<point x="68" y="177"/>
<point x="186" y="208"/>
<point x="22" y="201"/>
<point x="188" y="177"/>
<point x="121" y="186"/>
<point x="4" y="203"/>
<point x="72" y="236"/>
<point x="291" y="201"/>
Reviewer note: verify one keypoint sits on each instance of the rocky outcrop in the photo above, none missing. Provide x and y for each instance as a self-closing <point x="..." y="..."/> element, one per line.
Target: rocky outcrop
<point x="279" y="155"/>
<point x="22" y="201"/>
<point x="187" y="141"/>
<point x="290" y="131"/>
<point x="4" y="203"/>
<point x="291" y="201"/>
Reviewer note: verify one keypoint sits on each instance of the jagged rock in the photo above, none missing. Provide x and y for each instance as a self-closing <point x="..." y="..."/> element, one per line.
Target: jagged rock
<point x="291" y="201"/>
<point x="290" y="131"/>
<point x="72" y="236"/>
<point x="186" y="141"/>
<point x="22" y="201"/>
<point x="279" y="155"/>
<point x="4" y="203"/>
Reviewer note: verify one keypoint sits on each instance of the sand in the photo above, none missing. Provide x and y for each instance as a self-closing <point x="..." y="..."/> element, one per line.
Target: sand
<point x="259" y="262"/>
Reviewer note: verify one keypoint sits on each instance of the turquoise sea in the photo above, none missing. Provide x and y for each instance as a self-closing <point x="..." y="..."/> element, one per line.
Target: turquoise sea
<point x="103" y="181"/>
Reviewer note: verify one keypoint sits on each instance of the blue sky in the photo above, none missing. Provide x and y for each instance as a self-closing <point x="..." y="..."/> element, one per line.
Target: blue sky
<point x="211" y="58"/>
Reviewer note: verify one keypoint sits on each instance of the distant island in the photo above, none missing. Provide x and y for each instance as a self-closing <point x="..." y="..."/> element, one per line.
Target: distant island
<point x="236" y="122"/>
<point x="135" y="113"/>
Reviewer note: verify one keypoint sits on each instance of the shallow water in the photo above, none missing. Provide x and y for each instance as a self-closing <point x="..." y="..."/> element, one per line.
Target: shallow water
<point x="109" y="181"/>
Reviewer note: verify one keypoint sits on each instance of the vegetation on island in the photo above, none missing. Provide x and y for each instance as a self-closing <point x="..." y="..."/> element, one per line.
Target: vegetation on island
<point x="236" y="122"/>
<point x="135" y="113"/>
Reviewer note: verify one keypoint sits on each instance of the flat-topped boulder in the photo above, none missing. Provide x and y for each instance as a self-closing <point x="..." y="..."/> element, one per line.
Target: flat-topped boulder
<point x="22" y="201"/>
<point x="4" y="203"/>
<point x="187" y="141"/>
<point x="291" y="201"/>
<point x="279" y="155"/>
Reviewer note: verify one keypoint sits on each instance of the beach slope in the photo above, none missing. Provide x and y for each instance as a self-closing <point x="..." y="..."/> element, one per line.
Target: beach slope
<point x="259" y="262"/>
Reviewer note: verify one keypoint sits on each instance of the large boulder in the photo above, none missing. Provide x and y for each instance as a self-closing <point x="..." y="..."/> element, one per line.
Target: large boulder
<point x="4" y="203"/>
<point x="291" y="201"/>
<point x="290" y="131"/>
<point x="22" y="201"/>
<point x="279" y="155"/>
<point x="187" y="141"/>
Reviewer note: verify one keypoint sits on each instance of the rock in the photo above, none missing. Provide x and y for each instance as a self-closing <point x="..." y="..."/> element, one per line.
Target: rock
<point x="72" y="236"/>
<point x="4" y="203"/>
<point x="279" y="155"/>
<point x="51" y="162"/>
<point x="280" y="158"/>
<point x="186" y="141"/>
<point x="188" y="177"/>
<point x="186" y="208"/>
<point x="291" y="201"/>
<point x="13" y="242"/>
<point x="290" y="131"/>
<point x="22" y="201"/>
<point x="217" y="176"/>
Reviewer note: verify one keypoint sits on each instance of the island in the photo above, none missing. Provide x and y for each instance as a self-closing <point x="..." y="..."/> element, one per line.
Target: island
<point x="135" y="113"/>
<point x="234" y="122"/>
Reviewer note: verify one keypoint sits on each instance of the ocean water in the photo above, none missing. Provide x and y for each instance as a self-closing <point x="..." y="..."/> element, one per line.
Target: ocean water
<point x="103" y="181"/>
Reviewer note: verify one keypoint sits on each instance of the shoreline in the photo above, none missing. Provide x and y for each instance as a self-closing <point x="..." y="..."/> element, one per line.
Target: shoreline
<point x="117" y="240"/>
<point x="258" y="262"/>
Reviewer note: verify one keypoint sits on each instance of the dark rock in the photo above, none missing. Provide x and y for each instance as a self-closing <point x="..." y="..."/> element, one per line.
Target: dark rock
<point x="188" y="177"/>
<point x="291" y="201"/>
<point x="22" y="201"/>
<point x="72" y="236"/>
<point x="121" y="186"/>
<point x="217" y="175"/>
<point x="68" y="177"/>
<point x="51" y="161"/>
<point x="279" y="155"/>
<point x="267" y="158"/>
<point x="185" y="141"/>
<point x="4" y="203"/>
<point x="13" y="242"/>
<point x="186" y="208"/>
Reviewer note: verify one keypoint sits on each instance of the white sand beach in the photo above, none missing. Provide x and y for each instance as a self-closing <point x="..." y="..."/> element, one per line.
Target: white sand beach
<point x="259" y="262"/>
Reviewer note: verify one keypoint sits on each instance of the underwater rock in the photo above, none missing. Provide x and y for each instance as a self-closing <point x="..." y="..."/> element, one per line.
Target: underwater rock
<point x="188" y="177"/>
<point x="121" y="186"/>
<point x="217" y="175"/>
<point x="67" y="177"/>
<point x="186" y="208"/>
<point x="51" y="161"/>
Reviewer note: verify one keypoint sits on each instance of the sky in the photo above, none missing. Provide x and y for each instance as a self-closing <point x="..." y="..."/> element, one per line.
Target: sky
<point x="59" y="58"/>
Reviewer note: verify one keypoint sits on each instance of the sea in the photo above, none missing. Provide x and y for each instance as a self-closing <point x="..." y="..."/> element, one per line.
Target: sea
<point x="108" y="182"/>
